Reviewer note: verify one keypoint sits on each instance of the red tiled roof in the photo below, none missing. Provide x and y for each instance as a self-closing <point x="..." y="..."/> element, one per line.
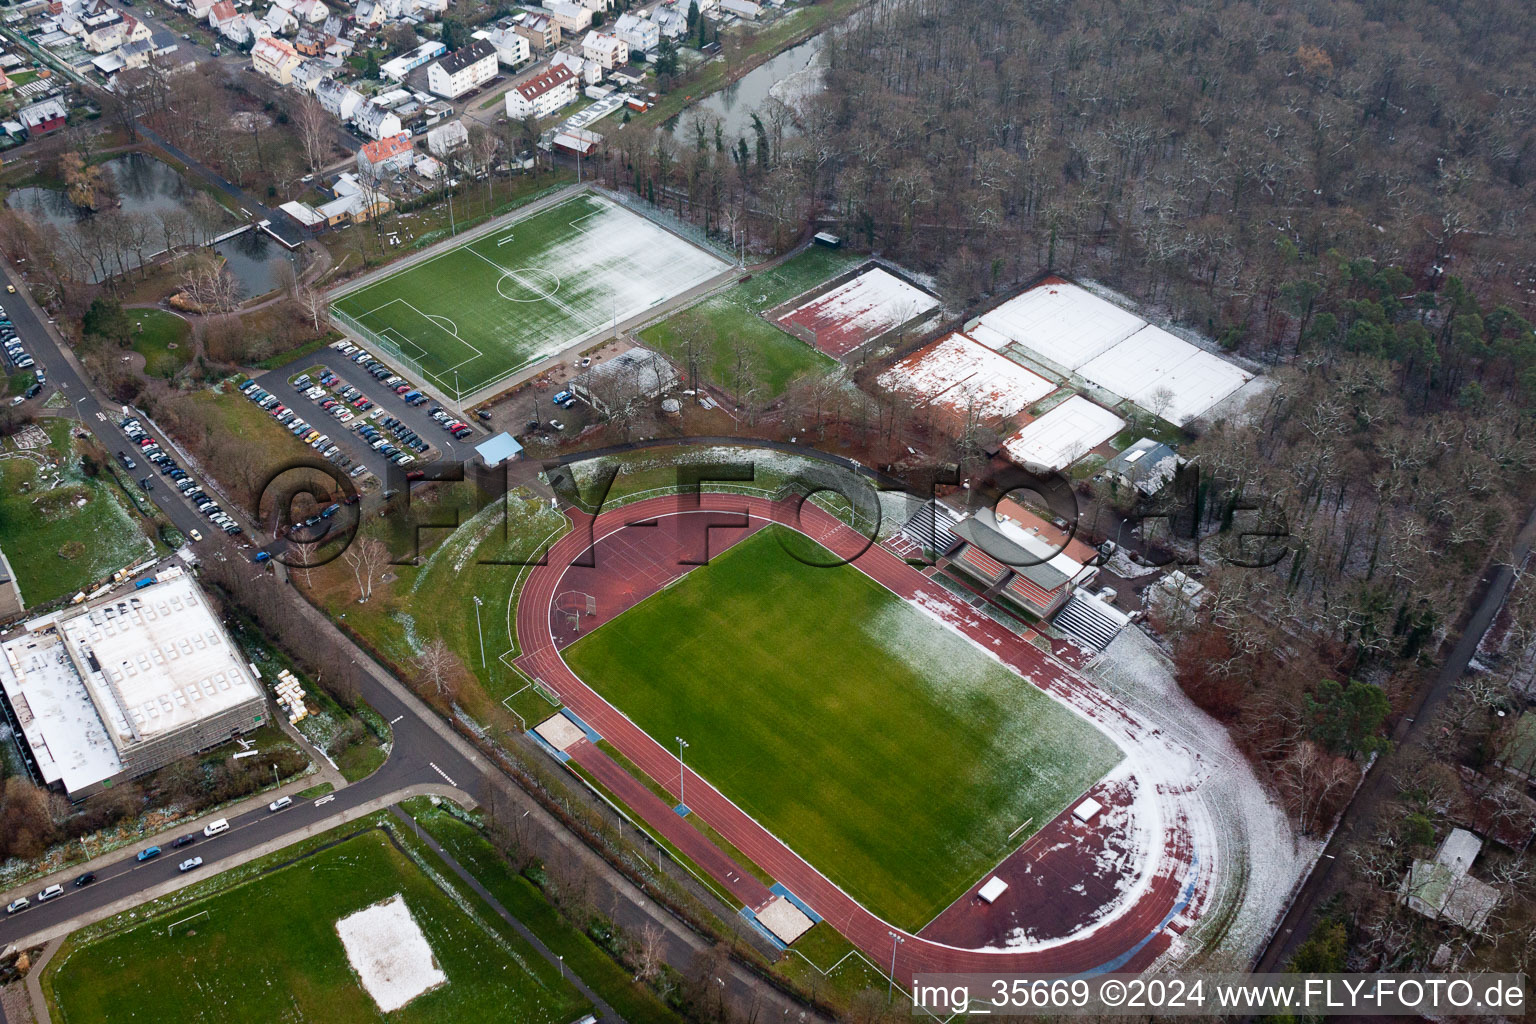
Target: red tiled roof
<point x="538" y="85"/>
<point x="386" y="148"/>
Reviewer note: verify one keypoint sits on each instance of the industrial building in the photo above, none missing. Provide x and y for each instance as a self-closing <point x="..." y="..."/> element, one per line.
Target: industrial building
<point x="117" y="687"/>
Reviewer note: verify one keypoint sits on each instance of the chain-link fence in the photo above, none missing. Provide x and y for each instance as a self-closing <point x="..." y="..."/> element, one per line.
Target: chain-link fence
<point x="669" y="221"/>
<point x="393" y="350"/>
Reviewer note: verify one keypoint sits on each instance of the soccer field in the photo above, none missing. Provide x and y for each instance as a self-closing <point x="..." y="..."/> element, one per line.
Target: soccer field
<point x="481" y="311"/>
<point x="884" y="748"/>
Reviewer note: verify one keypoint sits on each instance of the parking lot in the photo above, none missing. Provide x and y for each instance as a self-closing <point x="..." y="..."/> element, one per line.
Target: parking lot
<point x="386" y="404"/>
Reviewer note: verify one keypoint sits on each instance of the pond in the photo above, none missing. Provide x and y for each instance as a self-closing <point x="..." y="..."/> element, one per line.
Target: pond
<point x="156" y="197"/>
<point x="256" y="259"/>
<point x="786" y="77"/>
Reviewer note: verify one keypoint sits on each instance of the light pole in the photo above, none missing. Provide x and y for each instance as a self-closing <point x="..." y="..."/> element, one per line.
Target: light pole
<point x="479" y="630"/>
<point x="682" y="774"/>
<point x="896" y="940"/>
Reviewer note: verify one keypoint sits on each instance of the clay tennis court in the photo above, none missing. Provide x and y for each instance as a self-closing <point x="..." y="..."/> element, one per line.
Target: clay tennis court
<point x="853" y="312"/>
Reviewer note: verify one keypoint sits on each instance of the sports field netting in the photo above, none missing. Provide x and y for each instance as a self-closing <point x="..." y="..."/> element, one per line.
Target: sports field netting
<point x="887" y="750"/>
<point x="475" y="314"/>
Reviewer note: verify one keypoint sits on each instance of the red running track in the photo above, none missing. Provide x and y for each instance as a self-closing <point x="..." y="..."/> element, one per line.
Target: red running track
<point x="1123" y="941"/>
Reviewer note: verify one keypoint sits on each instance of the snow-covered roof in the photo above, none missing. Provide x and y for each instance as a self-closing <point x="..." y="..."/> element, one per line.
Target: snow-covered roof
<point x="1062" y="324"/>
<point x="1165" y="374"/>
<point x="58" y="720"/>
<point x="157" y="660"/>
<point x="1063" y="435"/>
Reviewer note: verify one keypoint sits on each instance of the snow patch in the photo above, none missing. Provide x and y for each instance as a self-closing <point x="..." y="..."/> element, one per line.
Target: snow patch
<point x="390" y="954"/>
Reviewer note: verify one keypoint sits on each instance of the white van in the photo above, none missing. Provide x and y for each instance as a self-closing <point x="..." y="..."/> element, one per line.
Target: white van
<point x="216" y="827"/>
<point x="50" y="893"/>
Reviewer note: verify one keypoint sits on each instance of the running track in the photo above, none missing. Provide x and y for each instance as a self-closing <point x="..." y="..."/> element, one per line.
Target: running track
<point x="1122" y="942"/>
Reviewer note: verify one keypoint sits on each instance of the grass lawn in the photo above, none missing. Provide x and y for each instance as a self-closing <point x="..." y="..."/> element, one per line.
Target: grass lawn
<point x="884" y="748"/>
<point x="483" y="310"/>
<point x="161" y="338"/>
<point x="55" y="545"/>
<point x="616" y="985"/>
<point x="773" y="357"/>
<point x="435" y="598"/>
<point x="268" y="950"/>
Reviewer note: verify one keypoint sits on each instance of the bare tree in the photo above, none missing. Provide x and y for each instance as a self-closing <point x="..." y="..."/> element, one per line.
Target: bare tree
<point x="366" y="557"/>
<point x="314" y="125"/>
<point x="437" y="664"/>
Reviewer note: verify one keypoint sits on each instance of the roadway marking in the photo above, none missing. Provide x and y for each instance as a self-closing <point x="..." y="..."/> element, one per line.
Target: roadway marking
<point x="444" y="774"/>
<point x="397" y="718"/>
<point x="325" y="799"/>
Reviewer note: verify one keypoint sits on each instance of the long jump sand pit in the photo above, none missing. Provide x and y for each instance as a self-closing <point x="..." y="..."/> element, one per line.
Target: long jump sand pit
<point x="390" y="954"/>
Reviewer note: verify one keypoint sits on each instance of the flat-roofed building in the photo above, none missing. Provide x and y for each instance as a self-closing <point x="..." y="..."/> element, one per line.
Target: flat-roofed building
<point x="126" y="684"/>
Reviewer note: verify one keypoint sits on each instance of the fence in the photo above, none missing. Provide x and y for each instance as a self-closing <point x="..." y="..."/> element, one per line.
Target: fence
<point x="394" y="352"/>
<point x="670" y="221"/>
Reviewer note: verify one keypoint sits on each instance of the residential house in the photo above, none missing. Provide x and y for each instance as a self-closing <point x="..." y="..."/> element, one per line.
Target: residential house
<point x="279" y="21"/>
<point x="609" y="51"/>
<point x="308" y="75"/>
<point x="1444" y="889"/>
<point x="571" y="19"/>
<point x="638" y="33"/>
<point x="670" y="22"/>
<point x="6" y="85"/>
<point x="369" y="14"/>
<point x="511" y="48"/>
<point x="339" y="100"/>
<point x="590" y="72"/>
<point x="376" y="122"/>
<point x="428" y="166"/>
<point x="276" y="59"/>
<point x="543" y="94"/>
<point x="355" y="201"/>
<point x="313" y="40"/>
<point x="42" y="117"/>
<point x="462" y="71"/>
<point x="540" y="30"/>
<point x="228" y="22"/>
<point x="596" y="6"/>
<point x="446" y="138"/>
<point x="311" y="12"/>
<point x="199" y="8"/>
<point x="430" y="8"/>
<point x="385" y="157"/>
<point x="136" y="53"/>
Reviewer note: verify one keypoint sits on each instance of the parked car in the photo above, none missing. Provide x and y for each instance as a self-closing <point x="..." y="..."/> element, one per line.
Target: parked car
<point x="18" y="904"/>
<point x="190" y="864"/>
<point x="85" y="880"/>
<point x="149" y="854"/>
<point x="280" y="803"/>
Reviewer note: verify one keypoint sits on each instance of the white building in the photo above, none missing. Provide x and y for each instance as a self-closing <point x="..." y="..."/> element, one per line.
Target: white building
<point x="339" y="100"/>
<point x="639" y="33"/>
<point x="462" y="71"/>
<point x="120" y="686"/>
<point x="543" y="94"/>
<point x="609" y="51"/>
<point x="590" y="72"/>
<point x="512" y="49"/>
<point x="376" y="122"/>
<point x="396" y="69"/>
<point x="446" y="138"/>
<point x="571" y="19"/>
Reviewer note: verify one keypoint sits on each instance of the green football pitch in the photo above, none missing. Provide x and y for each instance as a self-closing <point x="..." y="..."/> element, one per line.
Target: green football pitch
<point x="525" y="290"/>
<point x="884" y="748"/>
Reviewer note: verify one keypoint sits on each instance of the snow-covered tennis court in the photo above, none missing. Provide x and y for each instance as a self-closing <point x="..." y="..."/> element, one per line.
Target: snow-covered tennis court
<point x="1066" y="328"/>
<point x="965" y="377"/>
<point x="844" y="318"/>
<point x="390" y="954"/>
<point x="1062" y="436"/>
